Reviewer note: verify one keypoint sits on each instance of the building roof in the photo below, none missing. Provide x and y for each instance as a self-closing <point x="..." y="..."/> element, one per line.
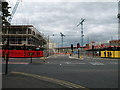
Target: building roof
<point x="19" y="26"/>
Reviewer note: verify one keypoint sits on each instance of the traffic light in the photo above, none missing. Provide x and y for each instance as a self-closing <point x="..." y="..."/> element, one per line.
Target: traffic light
<point x="72" y="46"/>
<point x="92" y="47"/>
<point x="78" y="45"/>
<point x="5" y="13"/>
<point x="5" y="8"/>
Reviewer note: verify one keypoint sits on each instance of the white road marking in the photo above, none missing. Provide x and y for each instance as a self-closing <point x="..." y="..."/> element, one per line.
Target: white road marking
<point x="67" y="62"/>
<point x="113" y="62"/>
<point x="96" y="63"/>
<point x="15" y="63"/>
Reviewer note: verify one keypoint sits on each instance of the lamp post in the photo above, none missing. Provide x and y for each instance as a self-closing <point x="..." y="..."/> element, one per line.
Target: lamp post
<point x="49" y="44"/>
<point x="78" y="47"/>
<point x="31" y="56"/>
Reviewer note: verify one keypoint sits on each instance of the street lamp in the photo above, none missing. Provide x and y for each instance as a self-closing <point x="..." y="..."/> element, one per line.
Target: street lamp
<point x="49" y="43"/>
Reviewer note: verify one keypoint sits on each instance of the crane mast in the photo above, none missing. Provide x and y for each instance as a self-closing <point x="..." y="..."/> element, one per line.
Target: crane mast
<point x="81" y="23"/>
<point x="13" y="11"/>
<point x="62" y="35"/>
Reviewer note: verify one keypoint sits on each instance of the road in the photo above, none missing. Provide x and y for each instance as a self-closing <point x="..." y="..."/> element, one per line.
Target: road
<point x="86" y="72"/>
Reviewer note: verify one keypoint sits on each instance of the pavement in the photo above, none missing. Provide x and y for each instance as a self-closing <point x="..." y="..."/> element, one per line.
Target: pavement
<point x="13" y="80"/>
<point x="27" y="80"/>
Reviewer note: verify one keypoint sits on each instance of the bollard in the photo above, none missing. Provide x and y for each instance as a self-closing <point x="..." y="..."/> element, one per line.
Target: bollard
<point x="5" y="57"/>
<point x="31" y="56"/>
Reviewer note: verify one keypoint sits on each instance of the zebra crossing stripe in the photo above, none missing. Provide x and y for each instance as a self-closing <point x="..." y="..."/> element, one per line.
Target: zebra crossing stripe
<point x="96" y="63"/>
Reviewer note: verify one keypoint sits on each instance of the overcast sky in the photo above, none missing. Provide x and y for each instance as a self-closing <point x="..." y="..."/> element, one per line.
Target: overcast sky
<point x="101" y="23"/>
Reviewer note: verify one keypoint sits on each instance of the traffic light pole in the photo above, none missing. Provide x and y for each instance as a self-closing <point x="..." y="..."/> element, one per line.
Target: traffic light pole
<point x="5" y="14"/>
<point x="78" y="53"/>
<point x="7" y="56"/>
<point x="48" y="45"/>
<point x="78" y="47"/>
<point x="6" y="67"/>
<point x="31" y="57"/>
<point x="72" y="52"/>
<point x="71" y="49"/>
<point x="93" y="50"/>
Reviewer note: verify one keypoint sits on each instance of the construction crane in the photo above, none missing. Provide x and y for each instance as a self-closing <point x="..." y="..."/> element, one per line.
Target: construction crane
<point x="62" y="35"/>
<point x="81" y="22"/>
<point x="13" y="11"/>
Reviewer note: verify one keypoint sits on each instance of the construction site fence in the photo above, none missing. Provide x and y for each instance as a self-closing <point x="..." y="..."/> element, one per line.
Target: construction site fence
<point x="21" y="53"/>
<point x="101" y="54"/>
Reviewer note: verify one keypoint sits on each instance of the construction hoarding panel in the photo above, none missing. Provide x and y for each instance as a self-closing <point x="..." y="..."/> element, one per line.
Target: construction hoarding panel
<point x="110" y="54"/>
<point x="21" y="53"/>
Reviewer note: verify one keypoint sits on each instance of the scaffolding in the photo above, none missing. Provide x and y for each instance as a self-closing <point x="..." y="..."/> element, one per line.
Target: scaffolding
<point x="22" y="37"/>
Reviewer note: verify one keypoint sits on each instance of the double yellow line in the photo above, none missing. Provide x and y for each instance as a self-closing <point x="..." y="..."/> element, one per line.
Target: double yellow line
<point x="57" y="81"/>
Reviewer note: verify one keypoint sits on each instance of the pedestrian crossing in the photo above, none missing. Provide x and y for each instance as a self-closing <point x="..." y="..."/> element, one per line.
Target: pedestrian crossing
<point x="69" y="63"/>
<point x="96" y="63"/>
<point x="72" y="62"/>
<point x="83" y="63"/>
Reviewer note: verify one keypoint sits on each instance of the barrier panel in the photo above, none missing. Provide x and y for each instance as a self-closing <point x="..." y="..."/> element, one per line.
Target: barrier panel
<point x="21" y="53"/>
<point x="0" y="53"/>
<point x="110" y="54"/>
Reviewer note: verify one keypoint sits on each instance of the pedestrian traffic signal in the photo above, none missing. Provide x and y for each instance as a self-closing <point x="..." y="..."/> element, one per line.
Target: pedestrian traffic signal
<point x="5" y="8"/>
<point x="92" y="47"/>
<point x="78" y="45"/>
<point x="72" y="46"/>
<point x="5" y="12"/>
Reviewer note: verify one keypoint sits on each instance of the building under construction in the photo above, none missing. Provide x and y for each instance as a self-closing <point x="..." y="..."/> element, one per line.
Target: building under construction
<point x="22" y="37"/>
<point x="18" y="40"/>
